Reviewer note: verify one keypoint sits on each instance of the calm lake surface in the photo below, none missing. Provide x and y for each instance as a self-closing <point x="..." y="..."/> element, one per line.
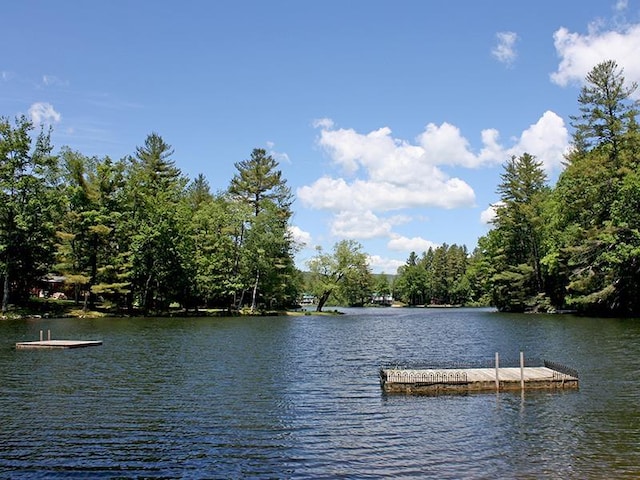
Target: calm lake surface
<point x="299" y="397"/>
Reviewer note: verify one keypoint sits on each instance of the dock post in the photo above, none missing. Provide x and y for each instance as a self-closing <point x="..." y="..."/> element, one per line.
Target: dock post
<point x="497" y="371"/>
<point x="522" y="370"/>
<point x="49" y="335"/>
<point x="41" y="338"/>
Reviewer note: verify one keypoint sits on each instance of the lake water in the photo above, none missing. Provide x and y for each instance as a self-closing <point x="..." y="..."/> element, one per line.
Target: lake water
<point x="299" y="397"/>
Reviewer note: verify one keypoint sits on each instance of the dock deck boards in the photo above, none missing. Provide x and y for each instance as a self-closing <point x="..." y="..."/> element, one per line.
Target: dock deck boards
<point x="431" y="380"/>
<point x="51" y="344"/>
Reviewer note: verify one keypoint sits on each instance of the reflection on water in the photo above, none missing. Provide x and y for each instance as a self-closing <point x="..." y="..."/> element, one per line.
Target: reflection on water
<point x="293" y="397"/>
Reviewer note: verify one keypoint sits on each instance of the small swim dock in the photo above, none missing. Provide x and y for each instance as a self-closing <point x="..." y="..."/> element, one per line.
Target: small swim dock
<point x="434" y="381"/>
<point x="56" y="344"/>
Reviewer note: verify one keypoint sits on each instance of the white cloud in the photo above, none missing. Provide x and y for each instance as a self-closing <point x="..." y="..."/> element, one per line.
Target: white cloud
<point x="547" y="140"/>
<point x="383" y="173"/>
<point x="445" y="145"/>
<point x="324" y="123"/>
<point x="488" y="216"/>
<point x="43" y="113"/>
<point x="505" y="51"/>
<point x="580" y="53"/>
<point x="363" y="225"/>
<point x="299" y="236"/>
<point x="414" y="244"/>
<point x="328" y="193"/>
<point x="384" y="265"/>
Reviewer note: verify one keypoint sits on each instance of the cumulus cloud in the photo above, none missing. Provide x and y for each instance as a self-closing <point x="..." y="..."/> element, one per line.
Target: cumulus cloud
<point x="299" y="236"/>
<point x="505" y="50"/>
<point x="580" y="53"/>
<point x="383" y="173"/>
<point x="43" y="113"/>
<point x="325" y="123"/>
<point x="380" y="173"/>
<point x="488" y="215"/>
<point x="414" y="244"/>
<point x="386" y="265"/>
<point x="547" y="140"/>
<point x="363" y="225"/>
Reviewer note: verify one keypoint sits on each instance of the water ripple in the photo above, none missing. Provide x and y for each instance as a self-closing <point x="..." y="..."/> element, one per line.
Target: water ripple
<point x="299" y="398"/>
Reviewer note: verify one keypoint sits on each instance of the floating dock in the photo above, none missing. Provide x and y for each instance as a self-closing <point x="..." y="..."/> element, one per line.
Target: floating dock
<point x="434" y="381"/>
<point x="54" y="344"/>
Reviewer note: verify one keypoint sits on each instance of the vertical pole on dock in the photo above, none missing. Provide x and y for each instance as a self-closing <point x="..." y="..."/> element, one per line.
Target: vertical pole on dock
<point x="49" y="335"/>
<point x="40" y="335"/>
<point x="522" y="370"/>
<point x="497" y="371"/>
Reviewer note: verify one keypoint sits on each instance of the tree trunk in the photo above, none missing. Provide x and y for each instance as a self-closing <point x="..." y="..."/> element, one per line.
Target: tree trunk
<point x="255" y="292"/>
<point x="322" y="300"/>
<point x="5" y="291"/>
<point x="146" y="295"/>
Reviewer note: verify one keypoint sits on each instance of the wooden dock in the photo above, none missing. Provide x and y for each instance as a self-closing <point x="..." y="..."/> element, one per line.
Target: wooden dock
<point x="434" y="381"/>
<point x="51" y="344"/>
<point x="55" y="344"/>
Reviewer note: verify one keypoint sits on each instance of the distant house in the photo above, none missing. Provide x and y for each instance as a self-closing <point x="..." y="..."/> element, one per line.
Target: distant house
<point x="382" y="299"/>
<point x="50" y="284"/>
<point x="308" y="299"/>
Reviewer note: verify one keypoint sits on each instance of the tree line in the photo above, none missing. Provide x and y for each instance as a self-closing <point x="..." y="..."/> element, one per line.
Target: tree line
<point x="138" y="235"/>
<point x="575" y="245"/>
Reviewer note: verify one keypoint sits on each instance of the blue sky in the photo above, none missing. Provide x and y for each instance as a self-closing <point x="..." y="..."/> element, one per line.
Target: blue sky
<point x="390" y="120"/>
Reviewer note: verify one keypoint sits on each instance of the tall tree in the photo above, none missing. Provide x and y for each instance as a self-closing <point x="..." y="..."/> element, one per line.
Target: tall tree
<point x="28" y="207"/>
<point x="158" y="237"/>
<point x="594" y="239"/>
<point x="86" y="241"/>
<point x="264" y="247"/>
<point x="520" y="225"/>
<point x="606" y="110"/>
<point x="258" y="181"/>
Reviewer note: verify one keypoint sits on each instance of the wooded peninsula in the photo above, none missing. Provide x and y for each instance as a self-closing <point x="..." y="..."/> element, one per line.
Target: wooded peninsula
<point x="135" y="236"/>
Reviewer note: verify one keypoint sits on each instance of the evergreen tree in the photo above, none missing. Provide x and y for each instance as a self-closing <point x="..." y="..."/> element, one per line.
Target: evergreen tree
<point x="520" y="233"/>
<point x="595" y="241"/>
<point x="158" y="243"/>
<point x="264" y="248"/>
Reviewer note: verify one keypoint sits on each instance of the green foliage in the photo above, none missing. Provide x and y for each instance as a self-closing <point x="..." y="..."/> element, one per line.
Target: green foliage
<point x="137" y="233"/>
<point x="517" y="247"/>
<point x="29" y="203"/>
<point x="436" y="278"/>
<point x="576" y="246"/>
<point x="344" y="274"/>
<point x="263" y="257"/>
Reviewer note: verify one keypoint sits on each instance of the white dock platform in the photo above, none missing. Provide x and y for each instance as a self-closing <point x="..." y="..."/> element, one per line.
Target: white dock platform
<point x="52" y="344"/>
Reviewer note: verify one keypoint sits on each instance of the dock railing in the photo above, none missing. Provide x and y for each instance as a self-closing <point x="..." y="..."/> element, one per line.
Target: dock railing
<point x="426" y="377"/>
<point x="561" y="369"/>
